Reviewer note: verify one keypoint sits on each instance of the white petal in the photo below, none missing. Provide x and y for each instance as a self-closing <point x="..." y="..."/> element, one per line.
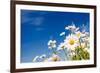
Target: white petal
<point x="63" y="33"/>
<point x="35" y="58"/>
<point x="66" y="28"/>
<point x="50" y="41"/>
<point x="54" y="46"/>
<point x="77" y="29"/>
<point x="54" y="41"/>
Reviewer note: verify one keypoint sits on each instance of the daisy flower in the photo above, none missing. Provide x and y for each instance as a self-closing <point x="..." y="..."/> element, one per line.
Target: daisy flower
<point x="84" y="34"/>
<point x="86" y="39"/>
<point x="72" y="28"/>
<point x="71" y="42"/>
<point x="78" y="34"/>
<point x="52" y="44"/>
<point x="53" y="58"/>
<point x="61" y="46"/>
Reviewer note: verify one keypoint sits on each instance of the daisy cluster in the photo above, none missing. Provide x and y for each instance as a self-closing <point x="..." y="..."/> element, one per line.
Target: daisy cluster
<point x="75" y="46"/>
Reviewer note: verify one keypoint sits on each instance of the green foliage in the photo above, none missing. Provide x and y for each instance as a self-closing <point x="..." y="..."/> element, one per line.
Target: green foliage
<point x="81" y="54"/>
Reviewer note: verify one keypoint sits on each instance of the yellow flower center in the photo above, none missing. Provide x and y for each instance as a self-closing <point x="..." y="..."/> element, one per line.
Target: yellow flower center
<point x="54" y="59"/>
<point x="71" y="41"/>
<point x="62" y="46"/>
<point x="78" y="34"/>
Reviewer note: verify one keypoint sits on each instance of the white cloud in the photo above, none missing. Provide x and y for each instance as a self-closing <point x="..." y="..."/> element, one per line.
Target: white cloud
<point x="39" y="29"/>
<point x="37" y="21"/>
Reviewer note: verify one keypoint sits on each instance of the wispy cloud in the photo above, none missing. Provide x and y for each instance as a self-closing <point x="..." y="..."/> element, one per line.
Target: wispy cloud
<point x="39" y="29"/>
<point x="37" y="21"/>
<point x="35" y="18"/>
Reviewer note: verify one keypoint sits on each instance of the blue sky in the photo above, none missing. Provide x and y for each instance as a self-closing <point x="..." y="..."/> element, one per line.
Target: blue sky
<point x="38" y="27"/>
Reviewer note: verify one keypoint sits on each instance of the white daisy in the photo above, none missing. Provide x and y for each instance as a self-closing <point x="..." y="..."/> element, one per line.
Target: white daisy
<point x="53" y="58"/>
<point x="71" y="42"/>
<point x="72" y="28"/>
<point x="78" y="34"/>
<point x="86" y="40"/>
<point x="52" y="44"/>
<point x="84" y="34"/>
<point x="61" y="46"/>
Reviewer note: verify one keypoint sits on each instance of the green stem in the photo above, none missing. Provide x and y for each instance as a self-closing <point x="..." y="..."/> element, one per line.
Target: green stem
<point x="80" y="43"/>
<point x="65" y="53"/>
<point x="54" y="51"/>
<point x="81" y="49"/>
